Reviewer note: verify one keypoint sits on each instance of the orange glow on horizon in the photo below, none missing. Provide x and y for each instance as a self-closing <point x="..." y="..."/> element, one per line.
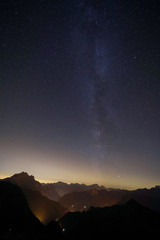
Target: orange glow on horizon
<point x="108" y="181"/>
<point x="2" y="176"/>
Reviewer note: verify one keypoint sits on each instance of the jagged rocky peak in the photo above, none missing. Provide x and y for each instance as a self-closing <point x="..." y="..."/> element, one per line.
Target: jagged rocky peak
<point x="23" y="175"/>
<point x="25" y="180"/>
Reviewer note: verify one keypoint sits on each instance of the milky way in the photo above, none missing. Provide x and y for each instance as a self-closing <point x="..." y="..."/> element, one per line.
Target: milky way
<point x="80" y="81"/>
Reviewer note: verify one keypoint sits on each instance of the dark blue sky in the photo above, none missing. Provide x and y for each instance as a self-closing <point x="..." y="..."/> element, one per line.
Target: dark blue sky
<point x="81" y="80"/>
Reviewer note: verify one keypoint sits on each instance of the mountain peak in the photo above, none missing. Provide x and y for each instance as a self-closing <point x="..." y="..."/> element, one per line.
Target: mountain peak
<point x="25" y="180"/>
<point x="23" y="174"/>
<point x="131" y="202"/>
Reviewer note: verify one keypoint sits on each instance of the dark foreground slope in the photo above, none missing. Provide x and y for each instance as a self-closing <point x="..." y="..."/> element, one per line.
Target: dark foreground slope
<point x="129" y="221"/>
<point x="43" y="208"/>
<point x="16" y="219"/>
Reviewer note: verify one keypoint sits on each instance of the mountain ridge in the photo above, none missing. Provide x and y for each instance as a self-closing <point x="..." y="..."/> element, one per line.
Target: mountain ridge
<point x="128" y="221"/>
<point x="80" y="197"/>
<point x="53" y="191"/>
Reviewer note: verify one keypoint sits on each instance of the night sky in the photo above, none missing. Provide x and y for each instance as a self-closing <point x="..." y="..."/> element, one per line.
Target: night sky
<point x="80" y="91"/>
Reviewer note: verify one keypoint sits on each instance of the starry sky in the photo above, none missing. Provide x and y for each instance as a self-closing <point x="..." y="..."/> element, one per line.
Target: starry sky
<point x="80" y="91"/>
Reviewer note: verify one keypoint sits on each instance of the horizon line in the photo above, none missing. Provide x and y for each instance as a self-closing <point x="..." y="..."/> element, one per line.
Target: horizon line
<point x="42" y="181"/>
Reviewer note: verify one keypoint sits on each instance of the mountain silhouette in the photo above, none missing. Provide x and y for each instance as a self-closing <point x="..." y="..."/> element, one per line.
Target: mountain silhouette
<point x="53" y="191"/>
<point x="16" y="219"/>
<point x="64" y="188"/>
<point x="128" y="221"/>
<point x="15" y="215"/>
<point x="24" y="180"/>
<point x="42" y="207"/>
<point x="79" y="197"/>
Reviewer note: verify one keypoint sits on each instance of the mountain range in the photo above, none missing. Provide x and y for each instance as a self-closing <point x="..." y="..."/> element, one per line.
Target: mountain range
<point x="55" y="199"/>
<point x="53" y="191"/>
<point x="79" y="201"/>
<point x="115" y="214"/>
